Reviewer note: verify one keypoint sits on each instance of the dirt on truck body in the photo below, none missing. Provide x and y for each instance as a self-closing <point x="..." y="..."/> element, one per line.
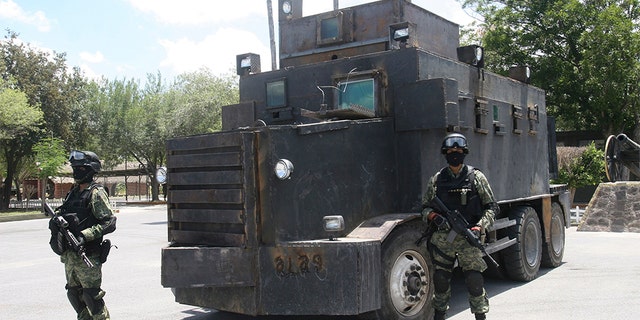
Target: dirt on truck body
<point x="308" y="202"/>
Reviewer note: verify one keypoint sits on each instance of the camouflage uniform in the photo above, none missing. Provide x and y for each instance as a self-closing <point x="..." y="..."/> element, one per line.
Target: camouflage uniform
<point x="444" y="253"/>
<point x="83" y="282"/>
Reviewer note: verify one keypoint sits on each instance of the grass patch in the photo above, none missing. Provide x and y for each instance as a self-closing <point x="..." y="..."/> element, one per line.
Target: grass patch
<point x="21" y="214"/>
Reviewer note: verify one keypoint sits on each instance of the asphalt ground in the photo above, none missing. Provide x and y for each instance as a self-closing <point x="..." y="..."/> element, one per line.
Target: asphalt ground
<point x="599" y="279"/>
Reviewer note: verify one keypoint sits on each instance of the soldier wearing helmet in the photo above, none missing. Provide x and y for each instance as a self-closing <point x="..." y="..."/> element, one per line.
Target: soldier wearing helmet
<point x="466" y="189"/>
<point x="88" y="212"/>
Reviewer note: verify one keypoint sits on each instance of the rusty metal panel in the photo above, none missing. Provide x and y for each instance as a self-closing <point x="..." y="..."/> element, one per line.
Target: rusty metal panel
<point x="206" y="215"/>
<point x="427" y="104"/>
<point x="194" y="143"/>
<point x="320" y="277"/>
<point x="184" y="267"/>
<point x="333" y="165"/>
<point x="335" y="53"/>
<point x="434" y="33"/>
<point x="231" y="299"/>
<point x="238" y="115"/>
<point x="213" y="159"/>
<point x="207" y="177"/>
<point x="368" y="33"/>
<point x="207" y="238"/>
<point x="380" y="227"/>
<point x="224" y="196"/>
<point x="211" y="190"/>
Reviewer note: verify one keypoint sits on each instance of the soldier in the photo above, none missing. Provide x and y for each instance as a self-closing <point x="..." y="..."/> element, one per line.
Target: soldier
<point x="89" y="215"/>
<point x="466" y="189"/>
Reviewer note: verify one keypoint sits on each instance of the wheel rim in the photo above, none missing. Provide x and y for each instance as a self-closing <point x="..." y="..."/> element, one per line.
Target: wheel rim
<point x="613" y="168"/>
<point x="557" y="236"/>
<point x="531" y="245"/>
<point x="409" y="283"/>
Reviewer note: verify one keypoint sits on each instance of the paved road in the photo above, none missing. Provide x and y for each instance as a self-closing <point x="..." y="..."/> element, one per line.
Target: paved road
<point x="600" y="278"/>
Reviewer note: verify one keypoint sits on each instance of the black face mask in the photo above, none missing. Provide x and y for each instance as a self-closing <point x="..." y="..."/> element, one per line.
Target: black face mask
<point x="82" y="174"/>
<point x="455" y="158"/>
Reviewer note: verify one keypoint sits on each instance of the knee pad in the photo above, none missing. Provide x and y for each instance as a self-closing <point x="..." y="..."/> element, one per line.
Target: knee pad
<point x="441" y="280"/>
<point x="93" y="299"/>
<point x="475" y="282"/>
<point x="75" y="297"/>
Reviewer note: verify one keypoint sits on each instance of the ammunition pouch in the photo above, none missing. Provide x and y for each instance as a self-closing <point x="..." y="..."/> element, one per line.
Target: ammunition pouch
<point x="105" y="248"/>
<point x="57" y="241"/>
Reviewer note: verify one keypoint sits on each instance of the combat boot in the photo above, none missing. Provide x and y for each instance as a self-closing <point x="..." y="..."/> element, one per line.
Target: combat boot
<point x="481" y="316"/>
<point x="439" y="315"/>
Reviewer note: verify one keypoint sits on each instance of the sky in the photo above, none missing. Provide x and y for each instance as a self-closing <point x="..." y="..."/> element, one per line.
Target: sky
<point x="128" y="39"/>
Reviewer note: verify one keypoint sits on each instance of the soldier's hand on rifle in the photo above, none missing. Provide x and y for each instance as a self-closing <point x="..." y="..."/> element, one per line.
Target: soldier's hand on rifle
<point x="81" y="240"/>
<point x="477" y="231"/>
<point x="437" y="219"/>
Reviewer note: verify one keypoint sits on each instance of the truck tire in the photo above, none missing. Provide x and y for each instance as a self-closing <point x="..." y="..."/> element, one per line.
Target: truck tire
<point x="553" y="251"/>
<point x="406" y="282"/>
<point x="522" y="260"/>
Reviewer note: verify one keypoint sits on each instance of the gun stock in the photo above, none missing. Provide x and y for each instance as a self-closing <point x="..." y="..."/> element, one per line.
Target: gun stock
<point x="71" y="238"/>
<point x="460" y="226"/>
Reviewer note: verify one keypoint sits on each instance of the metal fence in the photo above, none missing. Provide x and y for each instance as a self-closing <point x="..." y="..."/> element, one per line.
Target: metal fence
<point x="33" y="204"/>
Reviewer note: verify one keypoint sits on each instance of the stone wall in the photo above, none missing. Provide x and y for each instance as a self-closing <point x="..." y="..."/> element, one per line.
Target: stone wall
<point x="615" y="206"/>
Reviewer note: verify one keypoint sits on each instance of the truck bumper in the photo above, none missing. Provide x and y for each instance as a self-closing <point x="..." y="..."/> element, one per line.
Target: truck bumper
<point x="296" y="278"/>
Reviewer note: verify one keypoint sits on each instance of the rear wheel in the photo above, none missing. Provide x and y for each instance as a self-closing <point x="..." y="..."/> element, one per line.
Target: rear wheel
<point x="406" y="283"/>
<point x="522" y="260"/>
<point x="553" y="251"/>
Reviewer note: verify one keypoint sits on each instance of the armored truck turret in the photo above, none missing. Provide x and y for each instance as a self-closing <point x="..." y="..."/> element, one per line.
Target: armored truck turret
<point x="308" y="202"/>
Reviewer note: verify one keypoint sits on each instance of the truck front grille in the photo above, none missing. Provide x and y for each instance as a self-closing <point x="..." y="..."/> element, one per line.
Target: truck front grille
<point x="210" y="189"/>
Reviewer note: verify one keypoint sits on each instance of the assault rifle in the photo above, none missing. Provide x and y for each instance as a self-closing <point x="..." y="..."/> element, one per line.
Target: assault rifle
<point x="459" y="225"/>
<point x="63" y="225"/>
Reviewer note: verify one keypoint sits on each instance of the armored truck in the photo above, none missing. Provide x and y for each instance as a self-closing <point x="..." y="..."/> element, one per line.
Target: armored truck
<point x="308" y="201"/>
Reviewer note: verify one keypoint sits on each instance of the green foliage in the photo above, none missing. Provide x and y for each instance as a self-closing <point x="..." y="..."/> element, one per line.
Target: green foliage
<point x="585" y="168"/>
<point x="199" y="97"/>
<point x="584" y="54"/>
<point x="17" y="117"/>
<point x="49" y="86"/>
<point x="130" y="121"/>
<point x="120" y="120"/>
<point x="45" y="80"/>
<point x="50" y="156"/>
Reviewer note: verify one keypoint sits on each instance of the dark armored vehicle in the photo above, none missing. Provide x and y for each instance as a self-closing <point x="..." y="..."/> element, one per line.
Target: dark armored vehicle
<point x="308" y="202"/>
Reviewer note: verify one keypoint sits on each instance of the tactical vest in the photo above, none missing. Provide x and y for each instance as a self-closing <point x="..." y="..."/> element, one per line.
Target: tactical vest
<point x="77" y="202"/>
<point x="460" y="193"/>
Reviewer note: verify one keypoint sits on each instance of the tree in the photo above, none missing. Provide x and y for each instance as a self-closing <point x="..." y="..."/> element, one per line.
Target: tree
<point x="17" y="117"/>
<point x="47" y="83"/>
<point x="50" y="155"/>
<point x="133" y="122"/>
<point x="198" y="98"/>
<point x="585" y="54"/>
<point x="147" y="130"/>
<point x="19" y="123"/>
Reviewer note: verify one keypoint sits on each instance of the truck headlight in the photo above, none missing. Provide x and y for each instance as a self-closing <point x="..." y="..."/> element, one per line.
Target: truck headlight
<point x="333" y="224"/>
<point x="283" y="169"/>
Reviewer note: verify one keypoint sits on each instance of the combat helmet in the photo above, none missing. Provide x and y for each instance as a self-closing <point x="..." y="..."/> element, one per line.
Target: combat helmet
<point x="454" y="140"/>
<point x="88" y="161"/>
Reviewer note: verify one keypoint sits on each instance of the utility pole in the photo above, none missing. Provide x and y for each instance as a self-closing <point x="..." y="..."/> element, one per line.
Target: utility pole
<point x="271" y="36"/>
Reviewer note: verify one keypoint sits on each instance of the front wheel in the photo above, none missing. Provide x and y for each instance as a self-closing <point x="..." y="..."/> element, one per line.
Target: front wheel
<point x="522" y="260"/>
<point x="406" y="268"/>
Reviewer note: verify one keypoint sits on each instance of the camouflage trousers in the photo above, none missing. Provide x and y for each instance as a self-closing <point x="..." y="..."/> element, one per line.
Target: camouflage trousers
<point x="78" y="274"/>
<point x="444" y="254"/>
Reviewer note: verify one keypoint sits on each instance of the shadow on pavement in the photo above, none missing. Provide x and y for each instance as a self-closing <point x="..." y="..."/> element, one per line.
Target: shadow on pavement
<point x="494" y="286"/>
<point x="458" y="304"/>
